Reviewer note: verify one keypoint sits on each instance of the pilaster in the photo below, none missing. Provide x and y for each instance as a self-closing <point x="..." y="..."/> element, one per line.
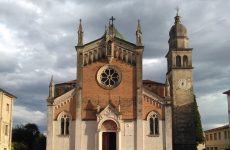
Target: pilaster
<point x="50" y="128"/>
<point x="168" y="124"/>
<point x="78" y="125"/>
<point x="139" y="122"/>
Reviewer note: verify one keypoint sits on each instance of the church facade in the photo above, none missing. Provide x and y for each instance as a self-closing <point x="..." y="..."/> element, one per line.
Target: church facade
<point x="110" y="107"/>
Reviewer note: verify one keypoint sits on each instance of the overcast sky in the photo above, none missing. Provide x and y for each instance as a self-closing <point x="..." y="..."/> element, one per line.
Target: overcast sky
<point x="37" y="40"/>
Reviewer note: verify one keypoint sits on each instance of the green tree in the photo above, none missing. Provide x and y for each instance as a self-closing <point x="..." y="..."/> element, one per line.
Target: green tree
<point x="198" y="125"/>
<point x="18" y="146"/>
<point x="41" y="141"/>
<point x="28" y="137"/>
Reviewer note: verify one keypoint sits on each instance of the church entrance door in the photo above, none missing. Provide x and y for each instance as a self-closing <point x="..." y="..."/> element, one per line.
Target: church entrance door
<point x="109" y="141"/>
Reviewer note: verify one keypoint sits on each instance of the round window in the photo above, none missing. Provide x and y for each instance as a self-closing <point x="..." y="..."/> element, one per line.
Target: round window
<point x="108" y="77"/>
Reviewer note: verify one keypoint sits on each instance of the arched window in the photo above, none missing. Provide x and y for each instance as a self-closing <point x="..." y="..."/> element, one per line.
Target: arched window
<point x="185" y="61"/>
<point x="64" y="123"/>
<point x="178" y="61"/>
<point x="153" y="120"/>
<point x="62" y="126"/>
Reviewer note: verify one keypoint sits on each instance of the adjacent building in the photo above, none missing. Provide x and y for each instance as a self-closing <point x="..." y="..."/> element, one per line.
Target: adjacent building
<point x="110" y="107"/>
<point x="6" y="105"/>
<point x="219" y="138"/>
<point x="228" y="98"/>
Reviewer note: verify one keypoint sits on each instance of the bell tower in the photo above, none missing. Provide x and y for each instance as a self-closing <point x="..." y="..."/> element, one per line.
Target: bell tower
<point x="179" y="58"/>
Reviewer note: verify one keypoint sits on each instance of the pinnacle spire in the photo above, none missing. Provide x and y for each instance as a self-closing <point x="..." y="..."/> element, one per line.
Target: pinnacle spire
<point x="139" y="25"/>
<point x="51" y="81"/>
<point x="138" y="34"/>
<point x="80" y="34"/>
<point x="51" y="88"/>
<point x="106" y="30"/>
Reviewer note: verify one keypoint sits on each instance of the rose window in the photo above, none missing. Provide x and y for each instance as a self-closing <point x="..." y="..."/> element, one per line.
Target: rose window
<point x="108" y="77"/>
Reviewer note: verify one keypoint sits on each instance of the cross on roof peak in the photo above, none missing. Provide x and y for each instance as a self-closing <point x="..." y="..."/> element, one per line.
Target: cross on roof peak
<point x="112" y="19"/>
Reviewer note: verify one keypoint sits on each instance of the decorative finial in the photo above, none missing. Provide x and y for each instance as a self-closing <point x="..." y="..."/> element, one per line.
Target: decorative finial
<point x="51" y="81"/>
<point x="80" y="34"/>
<point x="51" y="88"/>
<point x="177" y="17"/>
<point x="177" y="10"/>
<point x="138" y="33"/>
<point x="138" y="23"/>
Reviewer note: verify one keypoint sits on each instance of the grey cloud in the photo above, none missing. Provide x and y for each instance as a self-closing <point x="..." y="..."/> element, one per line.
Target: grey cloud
<point x="155" y="71"/>
<point x="7" y="64"/>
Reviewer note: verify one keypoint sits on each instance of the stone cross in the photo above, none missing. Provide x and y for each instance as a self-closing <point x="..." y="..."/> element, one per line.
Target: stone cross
<point x="112" y="18"/>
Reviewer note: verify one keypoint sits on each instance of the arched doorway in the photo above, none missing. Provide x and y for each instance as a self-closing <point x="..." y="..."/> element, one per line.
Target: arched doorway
<point x="109" y="135"/>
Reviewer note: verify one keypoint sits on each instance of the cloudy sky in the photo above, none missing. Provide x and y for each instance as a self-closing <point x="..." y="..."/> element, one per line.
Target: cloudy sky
<point x="37" y="40"/>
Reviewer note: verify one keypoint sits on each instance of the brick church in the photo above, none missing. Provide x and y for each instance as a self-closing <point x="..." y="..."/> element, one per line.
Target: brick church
<point x="110" y="107"/>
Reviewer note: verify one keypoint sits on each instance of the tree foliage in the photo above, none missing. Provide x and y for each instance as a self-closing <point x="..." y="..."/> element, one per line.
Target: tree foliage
<point x="18" y="146"/>
<point x="28" y="137"/>
<point x="198" y="125"/>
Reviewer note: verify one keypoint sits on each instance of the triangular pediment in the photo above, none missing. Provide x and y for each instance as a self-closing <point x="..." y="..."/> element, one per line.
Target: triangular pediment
<point x="68" y="95"/>
<point x="109" y="112"/>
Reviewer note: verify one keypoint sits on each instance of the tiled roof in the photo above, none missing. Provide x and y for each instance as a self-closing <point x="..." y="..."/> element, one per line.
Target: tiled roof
<point x="218" y="128"/>
<point x="118" y="34"/>
<point x="152" y="82"/>
<point x="68" y="82"/>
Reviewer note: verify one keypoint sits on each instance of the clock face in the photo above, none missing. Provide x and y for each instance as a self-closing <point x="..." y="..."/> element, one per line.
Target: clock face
<point x="109" y="76"/>
<point x="184" y="84"/>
